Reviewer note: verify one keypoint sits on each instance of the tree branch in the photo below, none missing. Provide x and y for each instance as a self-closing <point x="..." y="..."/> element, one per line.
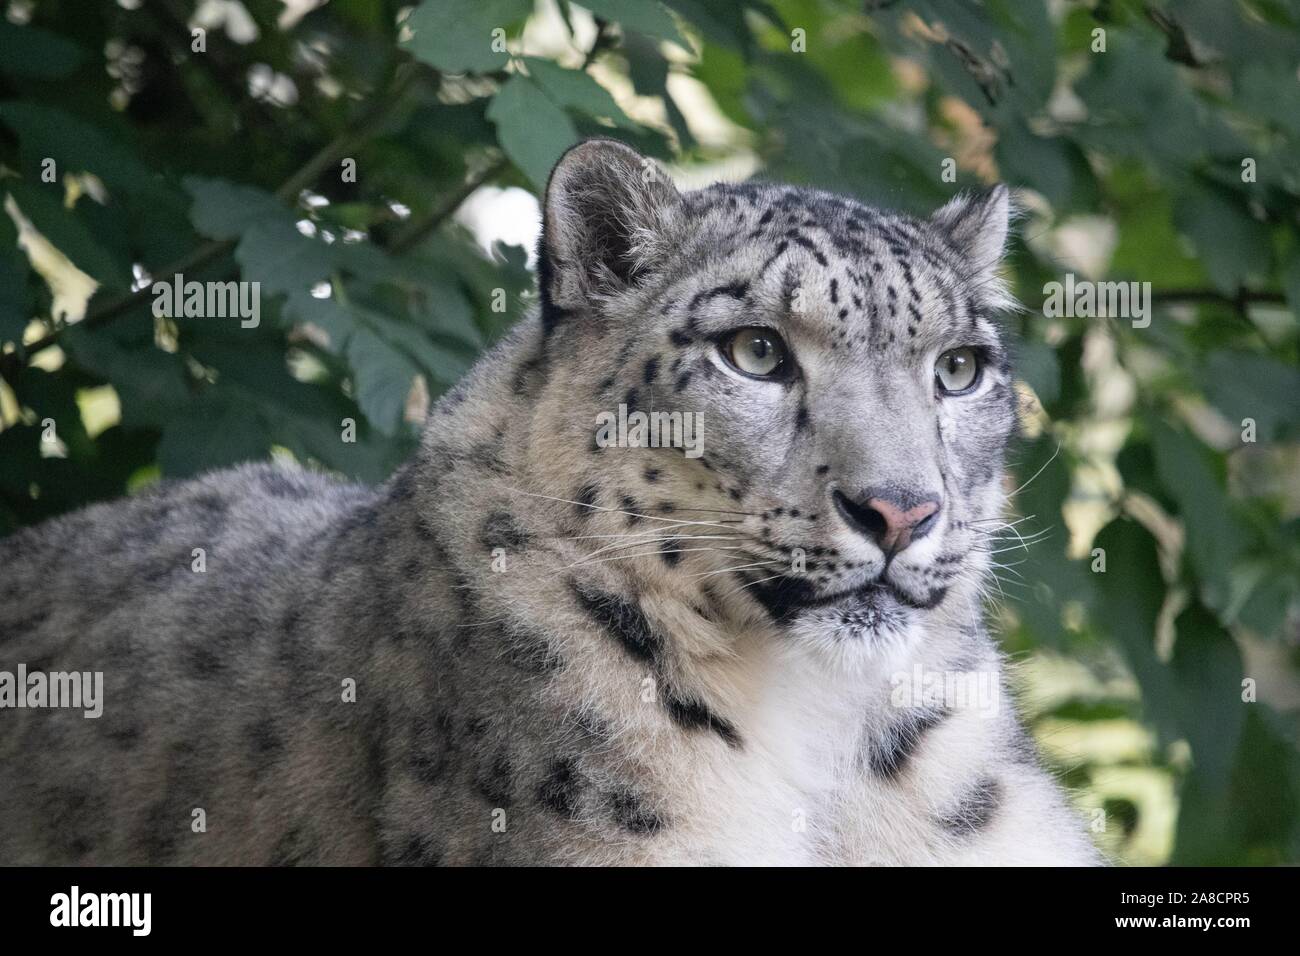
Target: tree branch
<point x="417" y="227"/>
<point x="110" y="308"/>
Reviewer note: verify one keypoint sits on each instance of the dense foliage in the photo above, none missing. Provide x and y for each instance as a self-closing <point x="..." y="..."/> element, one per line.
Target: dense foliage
<point x="1152" y="142"/>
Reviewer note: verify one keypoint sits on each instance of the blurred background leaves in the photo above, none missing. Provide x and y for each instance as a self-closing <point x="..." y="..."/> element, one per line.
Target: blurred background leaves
<point x="1150" y="142"/>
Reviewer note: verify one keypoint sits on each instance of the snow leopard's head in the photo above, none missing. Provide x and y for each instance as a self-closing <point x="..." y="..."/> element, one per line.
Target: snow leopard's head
<point x="851" y="393"/>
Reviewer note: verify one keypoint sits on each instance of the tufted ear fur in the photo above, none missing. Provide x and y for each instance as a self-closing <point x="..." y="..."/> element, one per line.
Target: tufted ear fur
<point x="606" y="219"/>
<point x="977" y="226"/>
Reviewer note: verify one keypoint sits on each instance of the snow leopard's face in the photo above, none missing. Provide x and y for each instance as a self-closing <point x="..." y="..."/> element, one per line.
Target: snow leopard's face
<point x="852" y="395"/>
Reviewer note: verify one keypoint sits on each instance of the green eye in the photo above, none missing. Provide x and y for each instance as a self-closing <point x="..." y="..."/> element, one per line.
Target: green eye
<point x="757" y="352"/>
<point x="957" y="371"/>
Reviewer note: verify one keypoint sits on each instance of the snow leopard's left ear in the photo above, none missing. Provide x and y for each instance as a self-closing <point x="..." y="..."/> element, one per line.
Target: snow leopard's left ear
<point x="606" y="220"/>
<point x="977" y="224"/>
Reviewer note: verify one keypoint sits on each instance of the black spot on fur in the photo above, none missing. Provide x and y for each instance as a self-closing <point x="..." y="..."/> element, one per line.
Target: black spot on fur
<point x="888" y="754"/>
<point x="157" y="834"/>
<point x="204" y="662"/>
<point x="633" y="511"/>
<point x="278" y="484"/>
<point x="496" y="782"/>
<point x="126" y="737"/>
<point x="691" y="714"/>
<point x="523" y="379"/>
<point x="419" y="849"/>
<point x="651" y="370"/>
<point x="670" y="551"/>
<point x="264" y="742"/>
<point x="427" y="763"/>
<point x="530" y="650"/>
<point x="585" y="499"/>
<point x="502" y="530"/>
<point x="631" y="813"/>
<point x="927" y="603"/>
<point x="976" y="808"/>
<point x="782" y="596"/>
<point x="623" y="619"/>
<point x="562" y="788"/>
<point x="298" y="847"/>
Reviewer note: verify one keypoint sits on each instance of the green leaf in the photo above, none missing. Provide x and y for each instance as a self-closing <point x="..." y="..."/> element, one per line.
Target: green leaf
<point x="1132" y="591"/>
<point x="219" y="431"/>
<point x="1216" y="538"/>
<point x="282" y="258"/>
<point x="1291" y="282"/>
<point x="33" y="53"/>
<point x="15" y="299"/>
<point x="1053" y="166"/>
<point x="1234" y="247"/>
<point x="225" y="210"/>
<point x="1052" y="578"/>
<point x="643" y="16"/>
<point x="721" y="21"/>
<point x="648" y="71"/>
<point x="578" y="90"/>
<point x="532" y="130"/>
<point x="1036" y="363"/>
<point x="68" y="231"/>
<point x="75" y="146"/>
<point x="1207" y="667"/>
<point x="1248" y="385"/>
<point x="1255" y="822"/>
<point x="459" y="38"/>
<point x="151" y="384"/>
<point x="330" y="315"/>
<point x="382" y="377"/>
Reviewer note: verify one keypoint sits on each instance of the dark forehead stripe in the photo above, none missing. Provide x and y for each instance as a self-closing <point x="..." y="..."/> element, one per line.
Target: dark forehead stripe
<point x="733" y="290"/>
<point x="799" y="239"/>
<point x="975" y="809"/>
<point x="888" y="754"/>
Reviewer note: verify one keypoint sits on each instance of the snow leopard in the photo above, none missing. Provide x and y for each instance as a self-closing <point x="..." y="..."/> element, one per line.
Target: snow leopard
<point x="545" y="640"/>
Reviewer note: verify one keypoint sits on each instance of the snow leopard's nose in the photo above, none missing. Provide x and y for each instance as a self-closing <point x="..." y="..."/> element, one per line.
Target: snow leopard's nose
<point x="893" y="518"/>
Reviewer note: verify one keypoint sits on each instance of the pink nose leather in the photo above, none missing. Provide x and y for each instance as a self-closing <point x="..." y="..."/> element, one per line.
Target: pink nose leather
<point x="899" y="523"/>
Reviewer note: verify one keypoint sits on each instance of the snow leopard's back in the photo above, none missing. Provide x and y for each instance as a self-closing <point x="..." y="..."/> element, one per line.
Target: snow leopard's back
<point x="205" y="607"/>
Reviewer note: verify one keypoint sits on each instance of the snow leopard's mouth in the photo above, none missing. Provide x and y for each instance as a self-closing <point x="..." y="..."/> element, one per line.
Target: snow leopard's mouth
<point x="787" y="596"/>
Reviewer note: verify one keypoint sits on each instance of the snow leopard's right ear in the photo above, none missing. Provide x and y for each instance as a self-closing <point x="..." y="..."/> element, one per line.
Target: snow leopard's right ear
<point x="605" y="221"/>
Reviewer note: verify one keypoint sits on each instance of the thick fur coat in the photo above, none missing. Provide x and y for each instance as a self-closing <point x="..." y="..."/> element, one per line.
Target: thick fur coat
<point x="532" y="646"/>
